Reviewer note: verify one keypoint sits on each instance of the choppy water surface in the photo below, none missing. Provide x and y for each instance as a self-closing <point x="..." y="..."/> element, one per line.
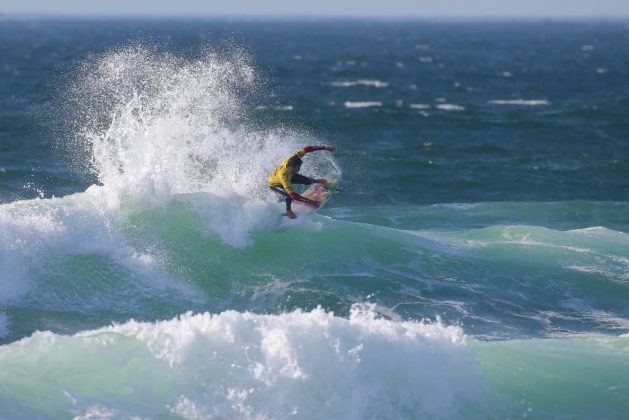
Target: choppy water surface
<point x="475" y="263"/>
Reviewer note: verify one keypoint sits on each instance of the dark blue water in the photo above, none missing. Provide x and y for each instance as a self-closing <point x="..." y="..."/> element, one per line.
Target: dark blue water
<point x="474" y="264"/>
<point x="572" y="148"/>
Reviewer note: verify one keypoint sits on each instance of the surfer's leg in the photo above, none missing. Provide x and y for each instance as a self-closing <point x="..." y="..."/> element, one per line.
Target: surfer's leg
<point x="289" y="211"/>
<point x="287" y="198"/>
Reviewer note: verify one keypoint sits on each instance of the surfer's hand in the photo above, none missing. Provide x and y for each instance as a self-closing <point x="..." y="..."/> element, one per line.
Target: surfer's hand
<point x="329" y="148"/>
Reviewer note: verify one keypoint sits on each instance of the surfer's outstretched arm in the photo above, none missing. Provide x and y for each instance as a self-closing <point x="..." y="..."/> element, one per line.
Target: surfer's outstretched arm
<point x="309" y="149"/>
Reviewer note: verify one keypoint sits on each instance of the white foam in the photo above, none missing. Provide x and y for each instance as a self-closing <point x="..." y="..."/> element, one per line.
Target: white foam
<point x="361" y="82"/>
<point x="233" y="218"/>
<point x="365" y="104"/>
<point x="24" y="238"/>
<point x="450" y="107"/>
<point x="419" y="106"/>
<point x="244" y="365"/>
<point x="523" y="102"/>
<point x="98" y="411"/>
<point x="598" y="231"/>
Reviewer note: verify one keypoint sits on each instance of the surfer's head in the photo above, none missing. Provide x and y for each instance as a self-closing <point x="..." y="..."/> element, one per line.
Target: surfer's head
<point x="294" y="164"/>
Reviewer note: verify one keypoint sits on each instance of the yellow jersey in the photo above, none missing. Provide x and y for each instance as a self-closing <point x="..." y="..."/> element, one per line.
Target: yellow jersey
<point x="281" y="176"/>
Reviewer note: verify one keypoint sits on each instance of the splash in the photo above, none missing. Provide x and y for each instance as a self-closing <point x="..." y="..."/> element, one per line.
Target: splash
<point x="154" y="124"/>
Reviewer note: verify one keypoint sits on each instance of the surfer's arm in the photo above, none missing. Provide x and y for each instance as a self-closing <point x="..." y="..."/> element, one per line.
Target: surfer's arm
<point x="309" y="149"/>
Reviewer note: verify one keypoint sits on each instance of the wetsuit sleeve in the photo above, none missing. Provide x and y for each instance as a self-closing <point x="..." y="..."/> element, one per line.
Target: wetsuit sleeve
<point x="309" y="149"/>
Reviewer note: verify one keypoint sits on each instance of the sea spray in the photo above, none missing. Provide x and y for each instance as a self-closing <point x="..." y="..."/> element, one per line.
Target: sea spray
<point x="151" y="125"/>
<point x="155" y="124"/>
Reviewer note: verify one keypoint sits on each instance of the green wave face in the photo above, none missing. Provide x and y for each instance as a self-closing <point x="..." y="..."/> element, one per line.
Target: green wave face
<point x="71" y="263"/>
<point x="555" y="378"/>
<point x="500" y="281"/>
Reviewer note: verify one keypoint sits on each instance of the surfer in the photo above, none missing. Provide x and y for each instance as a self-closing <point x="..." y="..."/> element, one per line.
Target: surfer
<point x="284" y="176"/>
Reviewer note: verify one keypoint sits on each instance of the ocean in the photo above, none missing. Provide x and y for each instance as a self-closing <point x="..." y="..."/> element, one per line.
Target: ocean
<point x="474" y="264"/>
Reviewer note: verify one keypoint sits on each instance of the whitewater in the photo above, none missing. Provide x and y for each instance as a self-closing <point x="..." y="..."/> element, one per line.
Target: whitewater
<point x="166" y="288"/>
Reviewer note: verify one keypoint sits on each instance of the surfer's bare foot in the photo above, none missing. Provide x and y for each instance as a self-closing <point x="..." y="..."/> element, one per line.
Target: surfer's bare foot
<point x="290" y="214"/>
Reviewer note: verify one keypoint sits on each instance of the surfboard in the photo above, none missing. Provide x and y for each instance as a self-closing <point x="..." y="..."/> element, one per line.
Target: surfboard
<point x="316" y="192"/>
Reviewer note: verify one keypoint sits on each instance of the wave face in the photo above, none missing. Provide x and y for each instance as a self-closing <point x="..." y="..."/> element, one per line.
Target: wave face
<point x="71" y="257"/>
<point x="474" y="264"/>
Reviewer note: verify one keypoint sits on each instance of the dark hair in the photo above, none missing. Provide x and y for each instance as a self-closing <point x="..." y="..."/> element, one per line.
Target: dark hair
<point x="294" y="161"/>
